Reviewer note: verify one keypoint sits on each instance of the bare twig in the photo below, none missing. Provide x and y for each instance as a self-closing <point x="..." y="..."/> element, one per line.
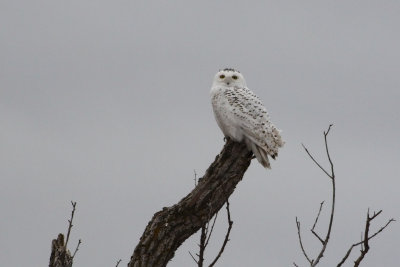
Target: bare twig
<point x="301" y="243"/>
<point x="60" y="255"/>
<point x="316" y="162"/>
<point x="327" y="151"/>
<point x="319" y="212"/>
<point x="202" y="246"/>
<point x="315" y="223"/>
<point x="204" y="239"/>
<point x="212" y="228"/>
<point x="364" y="242"/>
<point x="381" y="229"/>
<point x="230" y="223"/>
<point x="331" y="175"/>
<point x="118" y="262"/>
<point x="365" y="248"/>
<point x="70" y="222"/>
<point x="76" y="249"/>
<point x="192" y="257"/>
<point x="364" y="239"/>
<point x="205" y="236"/>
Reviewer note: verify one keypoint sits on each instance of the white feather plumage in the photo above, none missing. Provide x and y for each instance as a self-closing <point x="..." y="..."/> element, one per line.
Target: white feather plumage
<point x="241" y="116"/>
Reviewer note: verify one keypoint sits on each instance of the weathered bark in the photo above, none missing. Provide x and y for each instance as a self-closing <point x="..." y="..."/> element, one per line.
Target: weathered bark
<point x="60" y="256"/>
<point x="171" y="226"/>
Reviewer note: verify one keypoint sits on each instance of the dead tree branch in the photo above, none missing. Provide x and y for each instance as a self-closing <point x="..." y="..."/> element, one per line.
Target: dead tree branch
<point x="315" y="223"/>
<point x="212" y="228"/>
<point x="331" y="175"/>
<point x="230" y="223"/>
<point x="60" y="255"/>
<point x="172" y="225"/>
<point x="70" y="221"/>
<point x="365" y="242"/>
<point x="301" y="243"/>
<point x="76" y="249"/>
<point x="205" y="238"/>
<point x="202" y="245"/>
<point x="191" y="255"/>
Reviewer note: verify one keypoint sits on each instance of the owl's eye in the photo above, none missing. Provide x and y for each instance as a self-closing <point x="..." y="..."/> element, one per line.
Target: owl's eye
<point x="234" y="77"/>
<point x="221" y="76"/>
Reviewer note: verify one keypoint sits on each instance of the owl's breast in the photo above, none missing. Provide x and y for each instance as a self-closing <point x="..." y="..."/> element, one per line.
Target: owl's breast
<point x="224" y="114"/>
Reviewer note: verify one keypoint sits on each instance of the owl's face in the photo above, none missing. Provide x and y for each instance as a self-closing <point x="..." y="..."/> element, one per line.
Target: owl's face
<point x="229" y="77"/>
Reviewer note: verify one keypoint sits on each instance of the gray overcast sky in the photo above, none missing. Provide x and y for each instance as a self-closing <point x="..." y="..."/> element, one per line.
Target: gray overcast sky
<point x="107" y="103"/>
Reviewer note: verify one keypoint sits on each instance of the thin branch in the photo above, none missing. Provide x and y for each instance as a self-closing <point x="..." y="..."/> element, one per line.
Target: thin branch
<point x="315" y="223"/>
<point x="230" y="223"/>
<point x="317" y="236"/>
<point x="118" y="262"/>
<point x="365" y="248"/>
<point x="332" y="177"/>
<point x="70" y="222"/>
<point x="77" y="248"/>
<point x="327" y="151"/>
<point x="319" y="212"/>
<point x="204" y="239"/>
<point x="301" y="243"/>
<point x="60" y="255"/>
<point x="365" y="240"/>
<point x="193" y="257"/>
<point x="382" y="228"/>
<point x="212" y="228"/>
<point x="202" y="246"/>
<point x="376" y="214"/>
<point x="295" y="265"/>
<point x="309" y="154"/>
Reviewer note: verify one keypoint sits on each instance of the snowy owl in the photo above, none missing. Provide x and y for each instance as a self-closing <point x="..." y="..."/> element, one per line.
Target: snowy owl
<point x="242" y="117"/>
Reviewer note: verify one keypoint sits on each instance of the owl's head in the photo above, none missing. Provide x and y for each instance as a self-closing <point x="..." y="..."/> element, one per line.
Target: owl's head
<point x="229" y="77"/>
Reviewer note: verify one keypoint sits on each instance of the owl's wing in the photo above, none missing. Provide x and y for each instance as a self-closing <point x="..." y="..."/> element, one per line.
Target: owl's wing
<point x="252" y="117"/>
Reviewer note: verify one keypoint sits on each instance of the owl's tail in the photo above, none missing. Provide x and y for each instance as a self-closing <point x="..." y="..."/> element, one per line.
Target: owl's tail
<point x="260" y="153"/>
